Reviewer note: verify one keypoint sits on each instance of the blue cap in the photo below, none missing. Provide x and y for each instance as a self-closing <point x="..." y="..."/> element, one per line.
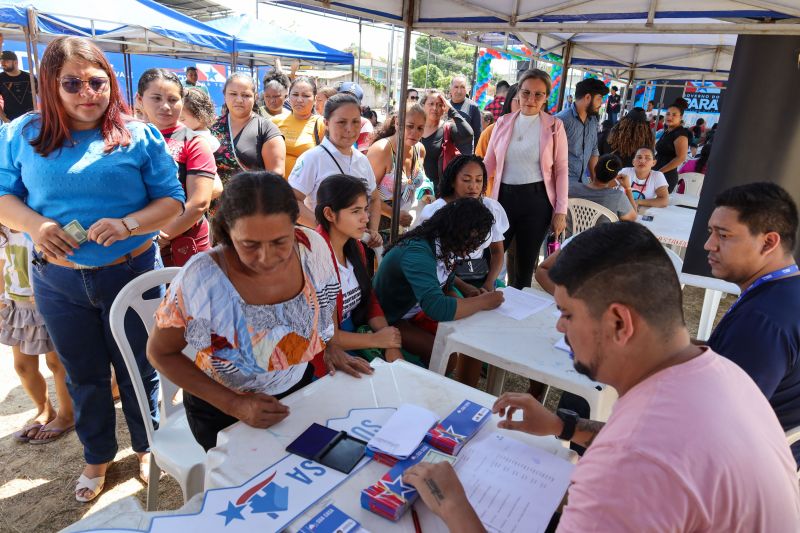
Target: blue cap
<point x="352" y="88"/>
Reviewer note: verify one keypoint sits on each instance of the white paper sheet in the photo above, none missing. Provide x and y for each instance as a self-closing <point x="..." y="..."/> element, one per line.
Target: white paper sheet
<point x="512" y="486"/>
<point x="561" y="344"/>
<point x="519" y="305"/>
<point x="404" y="431"/>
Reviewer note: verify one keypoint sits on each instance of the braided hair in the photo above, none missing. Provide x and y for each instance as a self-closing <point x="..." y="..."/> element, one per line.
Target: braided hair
<point x="460" y="227"/>
<point x="630" y="134"/>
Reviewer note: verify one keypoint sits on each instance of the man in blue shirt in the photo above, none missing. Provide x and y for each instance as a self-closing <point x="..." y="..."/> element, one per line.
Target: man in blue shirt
<point x="752" y="233"/>
<point x="580" y="123"/>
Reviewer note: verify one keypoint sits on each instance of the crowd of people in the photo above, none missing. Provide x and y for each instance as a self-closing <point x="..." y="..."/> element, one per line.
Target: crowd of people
<point x="275" y="212"/>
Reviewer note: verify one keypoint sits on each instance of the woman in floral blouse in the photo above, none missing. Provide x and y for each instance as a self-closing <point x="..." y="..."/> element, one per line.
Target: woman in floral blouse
<point x="258" y="309"/>
<point x="248" y="141"/>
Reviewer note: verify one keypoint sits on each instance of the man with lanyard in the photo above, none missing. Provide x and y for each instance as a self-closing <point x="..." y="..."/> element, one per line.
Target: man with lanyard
<point x="580" y="123"/>
<point x="752" y="233"/>
<point x="191" y="80"/>
<point x="468" y="109"/>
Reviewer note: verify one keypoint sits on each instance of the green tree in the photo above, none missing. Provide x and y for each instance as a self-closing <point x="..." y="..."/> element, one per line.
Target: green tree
<point x="434" y="76"/>
<point x="449" y="57"/>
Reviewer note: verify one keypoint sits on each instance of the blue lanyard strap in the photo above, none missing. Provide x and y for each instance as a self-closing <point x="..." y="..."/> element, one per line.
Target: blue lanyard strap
<point x="772" y="276"/>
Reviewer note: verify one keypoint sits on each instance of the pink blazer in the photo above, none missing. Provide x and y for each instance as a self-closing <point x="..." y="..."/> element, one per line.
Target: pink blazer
<point x="553" y="157"/>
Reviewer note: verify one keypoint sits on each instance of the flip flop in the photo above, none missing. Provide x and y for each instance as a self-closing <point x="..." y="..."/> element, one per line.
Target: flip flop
<point x="56" y="434"/>
<point x="94" y="484"/>
<point x="22" y="434"/>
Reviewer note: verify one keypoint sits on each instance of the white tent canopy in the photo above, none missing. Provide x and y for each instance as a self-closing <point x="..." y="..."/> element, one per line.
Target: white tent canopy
<point x="656" y="39"/>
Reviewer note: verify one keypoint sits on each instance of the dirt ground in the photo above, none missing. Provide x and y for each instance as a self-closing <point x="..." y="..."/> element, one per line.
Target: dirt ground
<point x="37" y="482"/>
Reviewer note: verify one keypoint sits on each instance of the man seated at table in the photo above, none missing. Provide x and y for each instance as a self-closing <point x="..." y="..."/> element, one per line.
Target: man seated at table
<point x="603" y="189"/>
<point x="692" y="444"/>
<point x="752" y="233"/>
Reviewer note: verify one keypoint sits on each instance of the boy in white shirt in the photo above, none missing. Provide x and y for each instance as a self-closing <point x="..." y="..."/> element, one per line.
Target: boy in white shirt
<point x="649" y="187"/>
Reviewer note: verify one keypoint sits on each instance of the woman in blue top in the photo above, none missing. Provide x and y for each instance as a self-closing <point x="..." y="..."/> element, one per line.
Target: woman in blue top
<point x="83" y="159"/>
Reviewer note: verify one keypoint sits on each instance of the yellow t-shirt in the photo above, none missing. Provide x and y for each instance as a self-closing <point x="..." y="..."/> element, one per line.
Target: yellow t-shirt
<point x="299" y="135"/>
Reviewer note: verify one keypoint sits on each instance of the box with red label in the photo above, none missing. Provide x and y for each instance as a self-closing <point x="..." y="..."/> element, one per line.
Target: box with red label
<point x="452" y="433"/>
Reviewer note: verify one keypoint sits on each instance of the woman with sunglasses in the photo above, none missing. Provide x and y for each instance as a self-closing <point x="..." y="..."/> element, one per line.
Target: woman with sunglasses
<point x="302" y="129"/>
<point x="248" y="141"/>
<point x="527" y="154"/>
<point x="83" y="163"/>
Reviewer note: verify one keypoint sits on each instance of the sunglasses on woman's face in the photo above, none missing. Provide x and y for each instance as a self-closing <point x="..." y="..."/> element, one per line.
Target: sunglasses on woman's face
<point x="73" y="85"/>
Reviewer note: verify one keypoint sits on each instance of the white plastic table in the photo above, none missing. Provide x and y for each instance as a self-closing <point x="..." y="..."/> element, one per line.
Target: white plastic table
<point x="687" y="200"/>
<point x="243" y="451"/>
<point x="524" y="347"/>
<point x="671" y="225"/>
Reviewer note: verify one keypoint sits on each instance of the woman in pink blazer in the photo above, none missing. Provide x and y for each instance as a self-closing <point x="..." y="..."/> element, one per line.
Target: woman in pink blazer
<point x="528" y="156"/>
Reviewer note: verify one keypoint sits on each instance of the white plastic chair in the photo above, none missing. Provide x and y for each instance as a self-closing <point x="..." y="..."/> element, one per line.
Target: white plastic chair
<point x="677" y="263"/>
<point x="585" y="214"/>
<point x="693" y="182"/>
<point x="172" y="446"/>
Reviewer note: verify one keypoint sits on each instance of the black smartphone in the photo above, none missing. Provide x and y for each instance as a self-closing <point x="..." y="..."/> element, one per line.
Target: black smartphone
<point x="328" y="447"/>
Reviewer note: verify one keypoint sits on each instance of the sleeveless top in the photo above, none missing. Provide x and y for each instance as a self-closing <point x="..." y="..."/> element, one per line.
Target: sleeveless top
<point x="408" y="186"/>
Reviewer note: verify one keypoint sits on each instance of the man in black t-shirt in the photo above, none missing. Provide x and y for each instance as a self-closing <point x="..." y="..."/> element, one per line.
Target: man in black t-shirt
<point x="15" y="87"/>
<point x="612" y="105"/>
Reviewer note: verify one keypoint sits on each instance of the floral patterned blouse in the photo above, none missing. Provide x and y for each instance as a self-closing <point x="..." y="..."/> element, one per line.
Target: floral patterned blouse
<point x="254" y="348"/>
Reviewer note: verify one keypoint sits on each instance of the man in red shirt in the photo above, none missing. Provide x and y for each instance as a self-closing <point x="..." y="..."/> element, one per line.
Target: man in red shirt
<point x="495" y="107"/>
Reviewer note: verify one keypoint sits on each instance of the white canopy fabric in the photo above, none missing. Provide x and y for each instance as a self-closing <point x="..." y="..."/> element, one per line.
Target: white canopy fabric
<point x="651" y="39"/>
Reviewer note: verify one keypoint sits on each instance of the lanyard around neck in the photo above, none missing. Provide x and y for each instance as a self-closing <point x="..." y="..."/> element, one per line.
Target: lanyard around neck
<point x="772" y="276"/>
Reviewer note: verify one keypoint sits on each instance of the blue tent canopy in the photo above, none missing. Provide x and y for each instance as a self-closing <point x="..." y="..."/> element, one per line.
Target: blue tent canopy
<point x="252" y="36"/>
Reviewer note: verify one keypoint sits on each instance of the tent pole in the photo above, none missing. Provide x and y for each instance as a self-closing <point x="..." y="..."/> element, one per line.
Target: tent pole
<point x="399" y="163"/>
<point x="33" y="53"/>
<point x="660" y="102"/>
<point x="359" y="48"/>
<point x="428" y="62"/>
<point x="566" y="59"/>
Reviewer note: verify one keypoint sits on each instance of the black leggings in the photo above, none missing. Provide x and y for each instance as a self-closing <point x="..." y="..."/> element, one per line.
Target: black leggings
<point x="529" y="216"/>
<point x="206" y="421"/>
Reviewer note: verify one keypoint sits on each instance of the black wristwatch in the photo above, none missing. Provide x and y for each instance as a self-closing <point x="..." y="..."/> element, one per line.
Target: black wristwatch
<point x="570" y="419"/>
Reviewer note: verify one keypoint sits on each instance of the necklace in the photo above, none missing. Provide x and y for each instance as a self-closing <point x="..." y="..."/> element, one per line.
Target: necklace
<point x="526" y="130"/>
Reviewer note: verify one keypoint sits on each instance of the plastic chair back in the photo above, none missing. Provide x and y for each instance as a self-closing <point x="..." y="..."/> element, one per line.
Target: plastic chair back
<point x="693" y="182"/>
<point x="585" y="214"/>
<point x="172" y="446"/>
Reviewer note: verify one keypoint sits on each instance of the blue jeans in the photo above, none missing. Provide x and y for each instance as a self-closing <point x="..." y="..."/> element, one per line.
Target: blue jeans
<point x="75" y="305"/>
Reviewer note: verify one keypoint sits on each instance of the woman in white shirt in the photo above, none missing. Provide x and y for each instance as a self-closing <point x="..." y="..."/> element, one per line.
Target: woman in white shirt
<point x="649" y="187"/>
<point x="465" y="177"/>
<point x="342" y="214"/>
<point x="336" y="155"/>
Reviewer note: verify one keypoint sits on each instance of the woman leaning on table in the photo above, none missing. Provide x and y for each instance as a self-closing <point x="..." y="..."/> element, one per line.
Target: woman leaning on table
<point x="528" y="156"/>
<point x="81" y="158"/>
<point x="258" y="308"/>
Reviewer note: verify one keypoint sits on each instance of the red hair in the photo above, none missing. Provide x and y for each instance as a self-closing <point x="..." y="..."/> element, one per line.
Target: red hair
<point x="54" y="119"/>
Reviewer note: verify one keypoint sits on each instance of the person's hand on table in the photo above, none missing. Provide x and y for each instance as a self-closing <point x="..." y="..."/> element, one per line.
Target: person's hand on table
<point x="388" y="337"/>
<point x="488" y="286"/>
<point x="107" y="231"/>
<point x="257" y="409"/>
<point x="375" y="239"/>
<point x="393" y="354"/>
<point x="492" y="300"/>
<point x="536" y="419"/>
<point x="337" y="359"/>
<point x="440" y="490"/>
<point x="405" y="218"/>
<point x="559" y="223"/>
<point x="52" y="240"/>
